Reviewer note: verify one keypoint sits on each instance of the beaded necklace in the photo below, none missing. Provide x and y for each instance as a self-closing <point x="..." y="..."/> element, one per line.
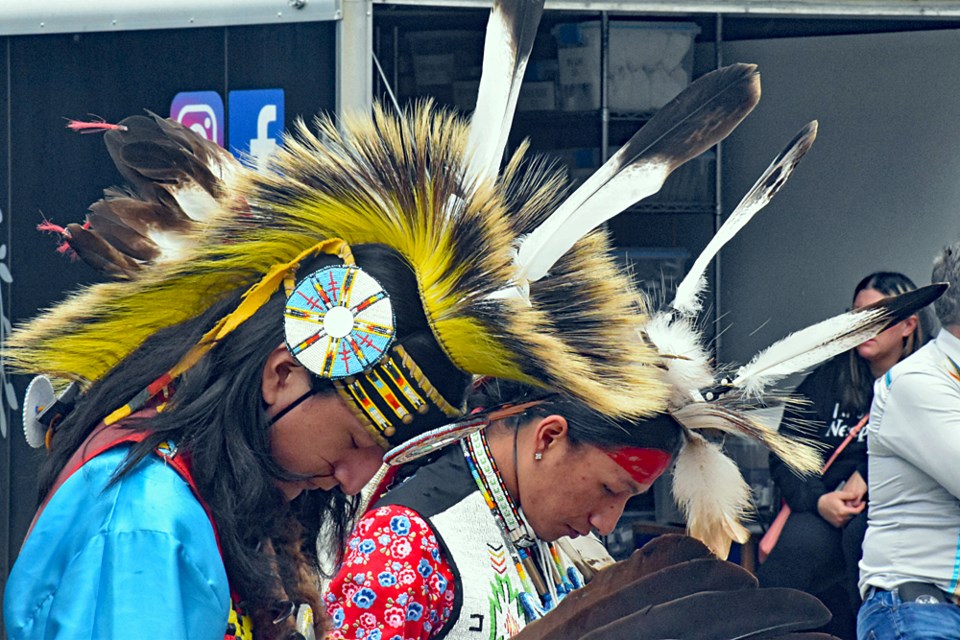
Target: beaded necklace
<point x="528" y="552"/>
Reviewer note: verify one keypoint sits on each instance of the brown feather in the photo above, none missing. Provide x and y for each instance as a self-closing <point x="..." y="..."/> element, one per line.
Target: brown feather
<point x="663" y="551"/>
<point x="576" y="616"/>
<point x="150" y="150"/>
<point x="743" y="614"/>
<point x="122" y="237"/>
<point x="142" y="216"/>
<point x="98" y="253"/>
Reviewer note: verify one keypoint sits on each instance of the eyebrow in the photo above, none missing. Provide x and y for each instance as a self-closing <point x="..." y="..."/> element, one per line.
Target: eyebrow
<point x="631" y="484"/>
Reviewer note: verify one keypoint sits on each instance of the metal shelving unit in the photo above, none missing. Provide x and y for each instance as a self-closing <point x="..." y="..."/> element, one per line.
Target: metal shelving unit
<point x="664" y="221"/>
<point x="681" y="218"/>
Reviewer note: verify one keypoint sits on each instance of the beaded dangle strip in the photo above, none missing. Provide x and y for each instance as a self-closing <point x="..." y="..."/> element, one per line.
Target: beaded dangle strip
<point x="526" y="550"/>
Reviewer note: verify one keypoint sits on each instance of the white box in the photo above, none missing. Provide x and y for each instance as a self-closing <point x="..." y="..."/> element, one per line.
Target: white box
<point x="579" y="65"/>
<point x="648" y="64"/>
<point x="578" y="73"/>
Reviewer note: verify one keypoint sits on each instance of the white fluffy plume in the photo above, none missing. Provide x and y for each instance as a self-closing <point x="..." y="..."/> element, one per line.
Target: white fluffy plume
<point x="800" y="455"/>
<point x="712" y="494"/>
<point x="684" y="356"/>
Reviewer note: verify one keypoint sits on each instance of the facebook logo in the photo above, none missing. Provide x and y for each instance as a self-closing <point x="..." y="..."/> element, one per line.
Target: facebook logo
<point x="256" y="123"/>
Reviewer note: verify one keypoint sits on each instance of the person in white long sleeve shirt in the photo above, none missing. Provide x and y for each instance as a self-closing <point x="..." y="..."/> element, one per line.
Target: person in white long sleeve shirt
<point x="910" y="568"/>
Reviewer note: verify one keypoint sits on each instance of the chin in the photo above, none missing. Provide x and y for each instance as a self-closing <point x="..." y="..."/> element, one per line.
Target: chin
<point x="552" y="536"/>
<point x="546" y="536"/>
<point x="290" y="493"/>
<point x="866" y="352"/>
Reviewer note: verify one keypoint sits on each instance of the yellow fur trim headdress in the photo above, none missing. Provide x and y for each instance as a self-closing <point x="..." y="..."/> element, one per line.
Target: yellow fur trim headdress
<point x="512" y="280"/>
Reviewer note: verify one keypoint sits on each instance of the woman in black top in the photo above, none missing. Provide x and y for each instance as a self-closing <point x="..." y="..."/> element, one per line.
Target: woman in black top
<point x="819" y="548"/>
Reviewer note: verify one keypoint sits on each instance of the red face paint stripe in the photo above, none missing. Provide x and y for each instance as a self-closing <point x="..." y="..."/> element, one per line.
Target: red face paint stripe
<point x="643" y="465"/>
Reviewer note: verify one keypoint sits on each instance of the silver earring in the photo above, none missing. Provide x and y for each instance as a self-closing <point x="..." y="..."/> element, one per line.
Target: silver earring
<point x="538" y="456"/>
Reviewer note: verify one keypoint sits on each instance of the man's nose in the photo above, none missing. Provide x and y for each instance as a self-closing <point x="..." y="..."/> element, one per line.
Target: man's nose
<point x="353" y="474"/>
<point x="605" y="520"/>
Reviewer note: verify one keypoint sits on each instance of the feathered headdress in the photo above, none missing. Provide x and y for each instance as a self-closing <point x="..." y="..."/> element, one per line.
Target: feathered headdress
<point x="509" y="276"/>
<point x="707" y="485"/>
<point x="703" y="397"/>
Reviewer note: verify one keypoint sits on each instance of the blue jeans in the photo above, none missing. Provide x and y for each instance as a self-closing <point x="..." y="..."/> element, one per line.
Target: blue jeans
<point x="883" y="616"/>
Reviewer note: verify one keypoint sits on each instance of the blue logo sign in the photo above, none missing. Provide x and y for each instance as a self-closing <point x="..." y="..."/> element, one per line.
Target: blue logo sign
<point x="256" y="123"/>
<point x="201" y="112"/>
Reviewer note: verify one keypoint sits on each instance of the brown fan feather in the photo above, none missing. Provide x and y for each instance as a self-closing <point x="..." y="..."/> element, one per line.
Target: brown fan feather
<point x="572" y="618"/>
<point x="174" y="178"/>
<point x="742" y="614"/>
<point x="675" y="588"/>
<point x="98" y="253"/>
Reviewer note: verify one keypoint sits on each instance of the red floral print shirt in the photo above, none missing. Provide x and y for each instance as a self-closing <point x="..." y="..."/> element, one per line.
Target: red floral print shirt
<point x="394" y="583"/>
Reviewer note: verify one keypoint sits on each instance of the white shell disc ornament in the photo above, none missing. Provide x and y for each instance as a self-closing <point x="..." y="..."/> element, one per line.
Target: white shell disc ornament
<point x="339" y="321"/>
<point x="38" y="397"/>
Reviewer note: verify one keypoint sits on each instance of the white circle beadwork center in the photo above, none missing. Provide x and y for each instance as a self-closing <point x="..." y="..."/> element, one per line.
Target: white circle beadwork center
<point x="338" y="322"/>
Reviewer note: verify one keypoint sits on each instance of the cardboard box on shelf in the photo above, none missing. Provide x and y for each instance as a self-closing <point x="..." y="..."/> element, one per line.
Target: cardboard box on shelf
<point x="578" y="58"/>
<point x="648" y="64"/>
<point x="465" y="94"/>
<point x="578" y="97"/>
<point x="537" y="96"/>
<point x="433" y="69"/>
<point x="445" y="55"/>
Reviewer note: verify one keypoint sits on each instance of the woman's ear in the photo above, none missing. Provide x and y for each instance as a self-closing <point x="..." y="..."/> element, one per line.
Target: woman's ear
<point x="283" y="377"/>
<point x="549" y="432"/>
<point x="909" y="325"/>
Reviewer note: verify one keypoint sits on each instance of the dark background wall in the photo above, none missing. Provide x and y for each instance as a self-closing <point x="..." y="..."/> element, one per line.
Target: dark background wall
<point x="880" y="189"/>
<point x="48" y="171"/>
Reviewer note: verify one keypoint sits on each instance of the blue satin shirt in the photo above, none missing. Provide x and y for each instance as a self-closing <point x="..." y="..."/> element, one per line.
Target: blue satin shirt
<point x="136" y="560"/>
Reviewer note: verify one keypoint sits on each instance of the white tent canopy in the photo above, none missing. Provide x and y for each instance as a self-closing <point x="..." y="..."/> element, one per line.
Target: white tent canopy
<point x="850" y="8"/>
<point x="21" y="17"/>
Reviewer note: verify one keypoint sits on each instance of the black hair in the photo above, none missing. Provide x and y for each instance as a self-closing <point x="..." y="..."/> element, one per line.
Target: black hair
<point x="217" y="414"/>
<point x="855" y="380"/>
<point x="584" y="425"/>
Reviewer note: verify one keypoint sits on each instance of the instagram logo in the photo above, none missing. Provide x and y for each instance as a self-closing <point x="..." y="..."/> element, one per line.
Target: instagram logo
<point x="201" y="112"/>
